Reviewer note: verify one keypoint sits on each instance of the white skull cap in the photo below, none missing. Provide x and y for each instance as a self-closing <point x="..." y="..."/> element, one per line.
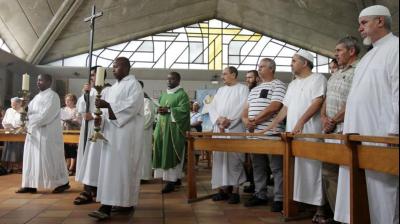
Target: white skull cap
<point x="305" y="54"/>
<point x="375" y="10"/>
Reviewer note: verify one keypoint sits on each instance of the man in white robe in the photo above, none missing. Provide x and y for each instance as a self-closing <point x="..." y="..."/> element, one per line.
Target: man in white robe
<point x="119" y="173"/>
<point x="301" y="106"/>
<point x="44" y="162"/>
<point x="373" y="109"/>
<point x="225" y="115"/>
<point x="88" y="160"/>
<point x="146" y="167"/>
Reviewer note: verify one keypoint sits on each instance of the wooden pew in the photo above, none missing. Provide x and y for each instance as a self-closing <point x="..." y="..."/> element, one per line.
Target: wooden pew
<point x="351" y="153"/>
<point x="69" y="137"/>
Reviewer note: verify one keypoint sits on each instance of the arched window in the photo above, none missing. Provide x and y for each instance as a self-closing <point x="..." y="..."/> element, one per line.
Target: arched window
<point x="209" y="45"/>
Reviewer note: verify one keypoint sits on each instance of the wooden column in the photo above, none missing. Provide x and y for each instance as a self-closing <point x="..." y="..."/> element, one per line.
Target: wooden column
<point x="359" y="213"/>
<point x="289" y="206"/>
<point x="191" y="176"/>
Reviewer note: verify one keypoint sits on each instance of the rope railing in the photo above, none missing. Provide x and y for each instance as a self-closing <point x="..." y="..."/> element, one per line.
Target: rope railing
<point x="350" y="151"/>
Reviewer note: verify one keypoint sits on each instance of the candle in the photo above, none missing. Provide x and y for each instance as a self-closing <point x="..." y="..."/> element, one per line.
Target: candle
<point x="99" y="76"/>
<point x="25" y="82"/>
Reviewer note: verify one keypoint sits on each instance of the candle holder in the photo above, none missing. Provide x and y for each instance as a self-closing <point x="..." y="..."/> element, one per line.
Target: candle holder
<point x="97" y="134"/>
<point x="24" y="114"/>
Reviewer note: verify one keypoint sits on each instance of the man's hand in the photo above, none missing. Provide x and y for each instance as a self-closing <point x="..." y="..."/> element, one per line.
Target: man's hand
<point x="328" y="124"/>
<point x="163" y="110"/>
<point x="298" y="128"/>
<point x="251" y="125"/>
<point x="87" y="116"/>
<point x="101" y="103"/>
<point x="264" y="130"/>
<point x="225" y="122"/>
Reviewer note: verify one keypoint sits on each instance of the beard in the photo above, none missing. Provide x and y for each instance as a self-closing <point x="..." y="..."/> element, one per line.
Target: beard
<point x="367" y="41"/>
<point x="252" y="85"/>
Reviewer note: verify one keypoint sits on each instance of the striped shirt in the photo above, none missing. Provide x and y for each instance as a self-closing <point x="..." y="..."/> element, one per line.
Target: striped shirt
<point x="261" y="97"/>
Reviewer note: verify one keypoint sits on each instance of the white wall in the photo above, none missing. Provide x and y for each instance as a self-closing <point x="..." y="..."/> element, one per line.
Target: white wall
<point x="152" y="87"/>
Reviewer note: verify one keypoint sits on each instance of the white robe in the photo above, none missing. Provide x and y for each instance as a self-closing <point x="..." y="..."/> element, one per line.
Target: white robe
<point x="12" y="119"/>
<point x="146" y="165"/>
<point x="44" y="162"/>
<point x="307" y="172"/>
<point x="229" y="101"/>
<point x="88" y="162"/>
<point x="119" y="174"/>
<point x="373" y="109"/>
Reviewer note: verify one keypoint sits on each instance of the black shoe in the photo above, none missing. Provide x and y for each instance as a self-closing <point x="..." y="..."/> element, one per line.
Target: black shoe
<point x="168" y="187"/>
<point x="255" y="201"/>
<point x="122" y="209"/>
<point x="221" y="196"/>
<point x="234" y="199"/>
<point x="104" y="212"/>
<point x="144" y="181"/>
<point x="277" y="206"/>
<point x="249" y="189"/>
<point x="178" y="182"/>
<point x="99" y="215"/>
<point x="61" y="188"/>
<point x="23" y="190"/>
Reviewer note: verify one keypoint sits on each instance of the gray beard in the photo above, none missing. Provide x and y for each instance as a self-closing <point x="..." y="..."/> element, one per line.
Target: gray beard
<point x="367" y="41"/>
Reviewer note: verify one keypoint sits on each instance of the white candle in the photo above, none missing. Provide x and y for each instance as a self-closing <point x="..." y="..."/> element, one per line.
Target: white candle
<point x="99" y="76"/>
<point x="25" y="82"/>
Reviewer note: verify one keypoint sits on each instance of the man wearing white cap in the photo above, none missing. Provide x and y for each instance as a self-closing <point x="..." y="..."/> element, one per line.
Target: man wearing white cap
<point x="373" y="109"/>
<point x="301" y="105"/>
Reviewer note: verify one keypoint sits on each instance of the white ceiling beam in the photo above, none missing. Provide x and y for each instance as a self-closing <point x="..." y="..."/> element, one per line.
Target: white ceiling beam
<point x="53" y="30"/>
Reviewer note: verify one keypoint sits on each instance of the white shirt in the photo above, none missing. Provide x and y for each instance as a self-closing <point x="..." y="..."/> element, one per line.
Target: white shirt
<point x="299" y="96"/>
<point x="229" y="102"/>
<point x="12" y="119"/>
<point x="119" y="176"/>
<point x="307" y="186"/>
<point x="373" y="102"/>
<point x="44" y="161"/>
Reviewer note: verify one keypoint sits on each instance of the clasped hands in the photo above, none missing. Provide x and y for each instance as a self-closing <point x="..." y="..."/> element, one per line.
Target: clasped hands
<point x="163" y="110"/>
<point x="223" y="123"/>
<point x="328" y="124"/>
<point x="251" y="125"/>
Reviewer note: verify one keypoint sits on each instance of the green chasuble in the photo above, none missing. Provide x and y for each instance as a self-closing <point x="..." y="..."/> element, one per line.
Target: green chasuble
<point x="169" y="134"/>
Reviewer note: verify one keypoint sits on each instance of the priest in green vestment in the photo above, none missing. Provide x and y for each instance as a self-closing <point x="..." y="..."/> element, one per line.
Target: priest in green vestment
<point x="169" y="134"/>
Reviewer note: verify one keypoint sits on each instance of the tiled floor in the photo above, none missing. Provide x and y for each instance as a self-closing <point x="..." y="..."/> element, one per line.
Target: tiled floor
<point x="45" y="207"/>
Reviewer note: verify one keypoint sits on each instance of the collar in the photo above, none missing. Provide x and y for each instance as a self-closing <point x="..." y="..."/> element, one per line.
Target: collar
<point x="171" y="91"/>
<point x="352" y="65"/>
<point x="128" y="77"/>
<point x="45" y="91"/>
<point x="382" y="40"/>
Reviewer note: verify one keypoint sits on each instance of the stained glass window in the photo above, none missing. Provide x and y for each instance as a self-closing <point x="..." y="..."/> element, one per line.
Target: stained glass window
<point x="209" y="45"/>
<point x="4" y="46"/>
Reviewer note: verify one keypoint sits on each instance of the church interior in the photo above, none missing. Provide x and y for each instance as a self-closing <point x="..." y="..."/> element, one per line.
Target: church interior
<point x="198" y="39"/>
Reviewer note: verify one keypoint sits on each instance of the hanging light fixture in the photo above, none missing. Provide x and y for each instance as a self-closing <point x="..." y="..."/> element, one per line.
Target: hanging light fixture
<point x="214" y="80"/>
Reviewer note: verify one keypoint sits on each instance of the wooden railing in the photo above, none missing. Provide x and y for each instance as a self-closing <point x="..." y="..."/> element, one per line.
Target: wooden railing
<point x="69" y="136"/>
<point x="350" y="153"/>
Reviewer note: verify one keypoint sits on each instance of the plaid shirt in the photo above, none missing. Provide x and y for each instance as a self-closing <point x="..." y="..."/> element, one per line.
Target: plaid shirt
<point x="338" y="89"/>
